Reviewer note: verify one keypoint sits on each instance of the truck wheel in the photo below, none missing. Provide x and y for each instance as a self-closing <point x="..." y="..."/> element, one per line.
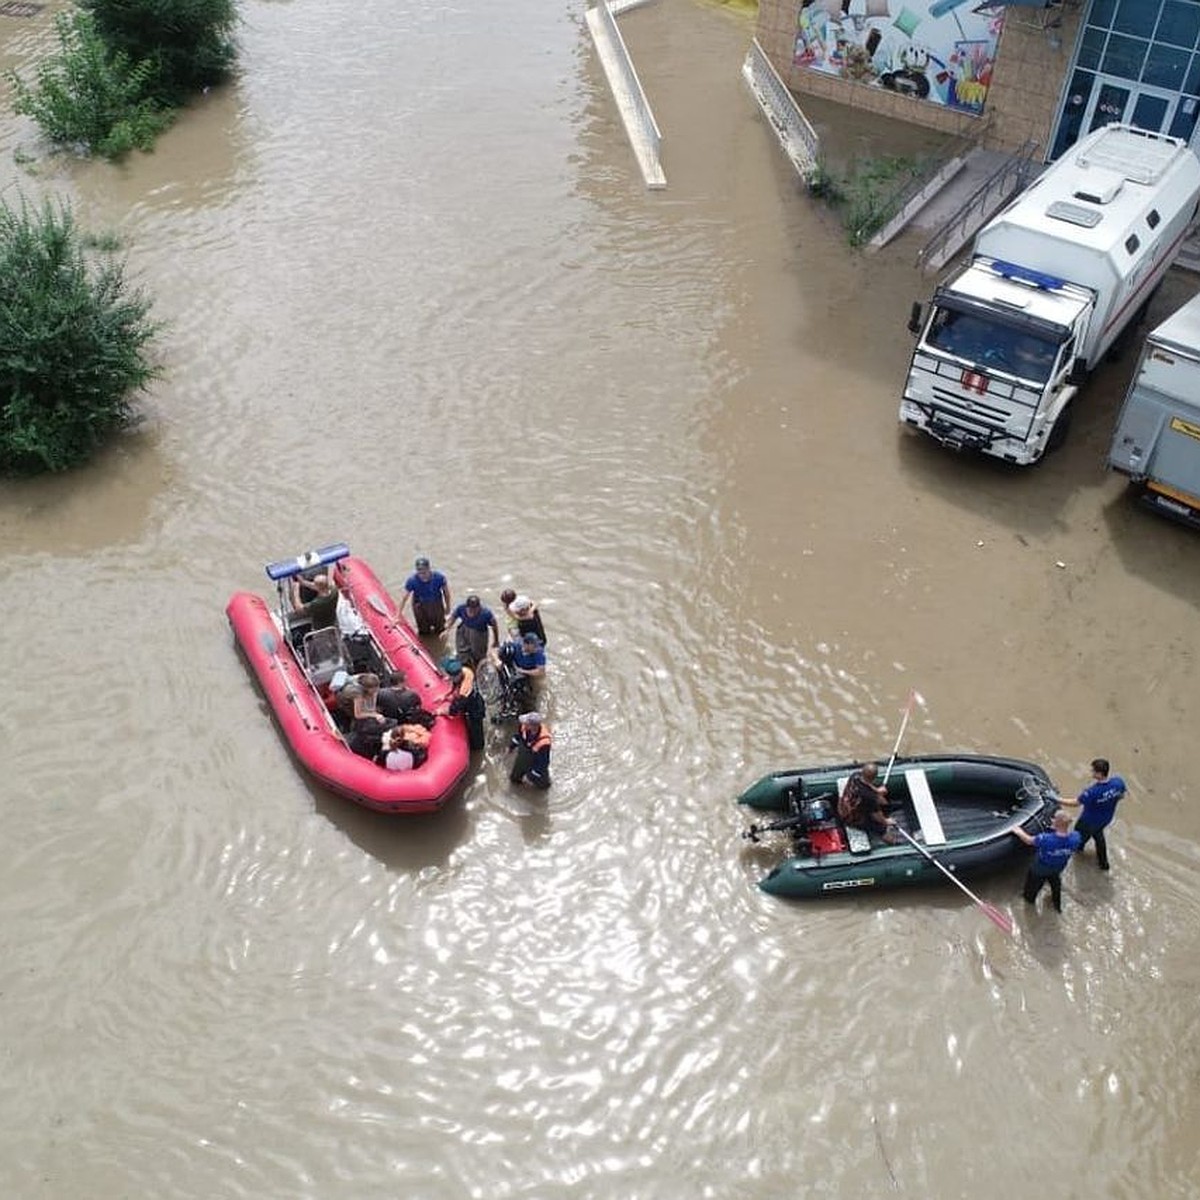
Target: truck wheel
<point x="1058" y="435"/>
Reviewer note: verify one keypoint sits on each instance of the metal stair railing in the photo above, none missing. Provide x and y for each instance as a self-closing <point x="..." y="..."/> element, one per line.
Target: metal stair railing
<point x="1010" y="177"/>
<point x="795" y="133"/>
<point x="911" y="193"/>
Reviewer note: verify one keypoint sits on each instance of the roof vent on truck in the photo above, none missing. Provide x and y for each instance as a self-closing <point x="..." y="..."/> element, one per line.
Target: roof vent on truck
<point x="1076" y="214"/>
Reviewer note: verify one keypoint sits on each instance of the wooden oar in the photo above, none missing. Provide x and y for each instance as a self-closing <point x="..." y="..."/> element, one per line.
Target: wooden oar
<point x="993" y="914"/>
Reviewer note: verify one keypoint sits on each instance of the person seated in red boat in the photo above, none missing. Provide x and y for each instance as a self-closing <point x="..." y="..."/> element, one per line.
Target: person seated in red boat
<point x="315" y="599"/>
<point x="403" y="748"/>
<point x="862" y="803"/>
<point x="401" y="704"/>
<point x="360" y="697"/>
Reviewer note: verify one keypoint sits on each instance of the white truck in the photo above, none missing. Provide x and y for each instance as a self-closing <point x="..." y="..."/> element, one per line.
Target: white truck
<point x="1053" y="280"/>
<point x="1157" y="441"/>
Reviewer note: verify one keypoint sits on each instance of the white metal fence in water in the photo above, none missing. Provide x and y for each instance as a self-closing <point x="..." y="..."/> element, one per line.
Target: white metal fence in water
<point x="640" y="125"/>
<point x="797" y="137"/>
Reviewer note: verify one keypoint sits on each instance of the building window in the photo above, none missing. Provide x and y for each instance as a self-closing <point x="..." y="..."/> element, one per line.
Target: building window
<point x="1091" y="48"/>
<point x="1166" y="67"/>
<point x="1102" y="13"/>
<point x="1191" y="86"/>
<point x="1135" y="16"/>
<point x="1185" y="118"/>
<point x="1124" y="56"/>
<point x="1071" y="124"/>
<point x="1179" y="24"/>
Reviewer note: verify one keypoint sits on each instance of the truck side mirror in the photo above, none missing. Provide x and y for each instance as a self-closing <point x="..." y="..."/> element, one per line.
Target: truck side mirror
<point x="1078" y="373"/>
<point x="914" y="318"/>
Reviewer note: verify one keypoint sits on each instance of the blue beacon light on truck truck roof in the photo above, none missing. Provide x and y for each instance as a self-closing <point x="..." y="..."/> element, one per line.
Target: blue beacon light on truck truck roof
<point x="1019" y="274"/>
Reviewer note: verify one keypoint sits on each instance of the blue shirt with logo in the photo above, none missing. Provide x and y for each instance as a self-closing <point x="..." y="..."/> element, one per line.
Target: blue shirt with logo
<point x="426" y="590"/>
<point x="1054" y="851"/>
<point x="1099" y="802"/>
<point x="516" y="654"/>
<point x="482" y="618"/>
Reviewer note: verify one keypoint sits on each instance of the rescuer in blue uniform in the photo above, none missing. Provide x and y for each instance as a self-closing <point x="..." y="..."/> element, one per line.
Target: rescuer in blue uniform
<point x="1054" y="850"/>
<point x="430" y="596"/>
<point x="1099" y="803"/>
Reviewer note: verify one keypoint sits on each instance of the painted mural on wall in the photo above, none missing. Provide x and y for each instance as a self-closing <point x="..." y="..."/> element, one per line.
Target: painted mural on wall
<point x="940" y="51"/>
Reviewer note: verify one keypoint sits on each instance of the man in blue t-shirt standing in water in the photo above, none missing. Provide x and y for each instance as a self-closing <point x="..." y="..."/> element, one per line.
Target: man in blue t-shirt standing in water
<point x="1099" y="804"/>
<point x="1054" y="850"/>
<point x="430" y="596"/>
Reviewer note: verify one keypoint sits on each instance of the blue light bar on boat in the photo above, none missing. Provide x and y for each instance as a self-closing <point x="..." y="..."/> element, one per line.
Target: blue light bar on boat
<point x="305" y="562"/>
<point x="1019" y="274"/>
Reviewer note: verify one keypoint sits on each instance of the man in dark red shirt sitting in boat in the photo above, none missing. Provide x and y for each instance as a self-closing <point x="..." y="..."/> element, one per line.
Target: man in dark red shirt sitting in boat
<point x="862" y="802"/>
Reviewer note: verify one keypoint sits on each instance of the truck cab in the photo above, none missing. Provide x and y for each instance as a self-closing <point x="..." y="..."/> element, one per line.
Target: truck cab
<point x="1055" y="278"/>
<point x="994" y="368"/>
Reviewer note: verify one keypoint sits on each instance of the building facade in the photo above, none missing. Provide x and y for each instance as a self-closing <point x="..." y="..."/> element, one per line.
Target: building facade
<point x="1005" y="73"/>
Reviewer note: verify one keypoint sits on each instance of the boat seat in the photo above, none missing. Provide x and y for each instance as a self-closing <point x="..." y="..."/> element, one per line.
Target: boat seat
<point x="858" y="841"/>
<point x="324" y="654"/>
<point x="923" y="805"/>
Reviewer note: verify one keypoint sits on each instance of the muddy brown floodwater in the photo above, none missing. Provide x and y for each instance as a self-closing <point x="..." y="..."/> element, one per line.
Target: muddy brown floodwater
<point x="418" y="299"/>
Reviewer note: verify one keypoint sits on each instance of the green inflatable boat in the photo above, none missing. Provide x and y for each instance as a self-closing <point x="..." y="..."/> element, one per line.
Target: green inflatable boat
<point x="957" y="809"/>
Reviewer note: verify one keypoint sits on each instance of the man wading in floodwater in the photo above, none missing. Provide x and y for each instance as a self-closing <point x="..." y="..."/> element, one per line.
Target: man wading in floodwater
<point x="1099" y="804"/>
<point x="1054" y="850"/>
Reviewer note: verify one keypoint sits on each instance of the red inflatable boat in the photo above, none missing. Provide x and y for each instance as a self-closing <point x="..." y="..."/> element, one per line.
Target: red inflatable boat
<point x="295" y="665"/>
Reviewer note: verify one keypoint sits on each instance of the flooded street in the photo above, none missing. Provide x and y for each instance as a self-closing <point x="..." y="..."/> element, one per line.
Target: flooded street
<point x="418" y="299"/>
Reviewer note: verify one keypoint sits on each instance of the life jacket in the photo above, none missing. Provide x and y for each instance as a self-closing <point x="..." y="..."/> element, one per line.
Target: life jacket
<point x="540" y="740"/>
<point x="414" y="736"/>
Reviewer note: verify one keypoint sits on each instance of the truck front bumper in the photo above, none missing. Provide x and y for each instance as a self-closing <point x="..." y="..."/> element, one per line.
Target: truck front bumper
<point x="954" y="436"/>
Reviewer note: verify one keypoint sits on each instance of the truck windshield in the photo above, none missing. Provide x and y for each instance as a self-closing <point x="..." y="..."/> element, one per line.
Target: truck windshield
<point x="991" y="343"/>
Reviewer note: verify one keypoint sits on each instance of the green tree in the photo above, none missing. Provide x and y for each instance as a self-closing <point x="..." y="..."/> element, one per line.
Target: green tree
<point x="90" y="95"/>
<point x="189" y="42"/>
<point x="73" y="342"/>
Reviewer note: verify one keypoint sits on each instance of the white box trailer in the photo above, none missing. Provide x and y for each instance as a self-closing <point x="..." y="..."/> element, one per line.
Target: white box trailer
<point x="1157" y="439"/>
<point x="1054" y="279"/>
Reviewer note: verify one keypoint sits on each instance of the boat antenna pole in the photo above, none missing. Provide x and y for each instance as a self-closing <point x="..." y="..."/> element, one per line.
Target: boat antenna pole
<point x="914" y="697"/>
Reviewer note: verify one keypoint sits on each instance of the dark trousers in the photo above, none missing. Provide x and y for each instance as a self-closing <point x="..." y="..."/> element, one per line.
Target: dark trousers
<point x="430" y="615"/>
<point x="521" y="770"/>
<point x="1033" y="885"/>
<point x="475" y="735"/>
<point x="1085" y="831"/>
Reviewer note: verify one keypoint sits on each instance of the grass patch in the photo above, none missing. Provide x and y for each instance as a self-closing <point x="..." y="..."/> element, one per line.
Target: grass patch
<point x="870" y="192"/>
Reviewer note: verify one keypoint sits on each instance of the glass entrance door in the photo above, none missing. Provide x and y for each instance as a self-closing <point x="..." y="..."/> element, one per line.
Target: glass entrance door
<point x="1146" y="107"/>
<point x="1109" y="102"/>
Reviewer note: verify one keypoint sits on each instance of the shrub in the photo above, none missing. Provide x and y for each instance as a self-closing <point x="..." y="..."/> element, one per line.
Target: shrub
<point x="73" y="341"/>
<point x="90" y="96"/>
<point x="871" y="193"/>
<point x="189" y="42"/>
